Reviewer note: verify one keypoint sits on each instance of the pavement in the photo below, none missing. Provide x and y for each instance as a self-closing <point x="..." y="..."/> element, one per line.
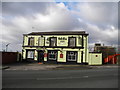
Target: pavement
<point x="40" y="66"/>
<point x="28" y="66"/>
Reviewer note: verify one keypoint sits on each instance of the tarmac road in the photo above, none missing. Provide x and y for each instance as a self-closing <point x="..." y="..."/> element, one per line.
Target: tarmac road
<point x="89" y="78"/>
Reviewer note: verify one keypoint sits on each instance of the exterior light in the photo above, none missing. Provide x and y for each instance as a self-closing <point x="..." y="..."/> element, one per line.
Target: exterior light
<point x="7" y="46"/>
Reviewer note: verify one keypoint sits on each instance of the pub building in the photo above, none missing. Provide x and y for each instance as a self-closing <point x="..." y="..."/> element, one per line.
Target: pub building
<point x="67" y="47"/>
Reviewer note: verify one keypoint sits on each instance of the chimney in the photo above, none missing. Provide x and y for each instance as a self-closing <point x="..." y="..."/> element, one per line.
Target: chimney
<point x="97" y="44"/>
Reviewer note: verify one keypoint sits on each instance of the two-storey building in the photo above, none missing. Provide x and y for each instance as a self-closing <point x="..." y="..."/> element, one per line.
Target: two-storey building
<point x="56" y="47"/>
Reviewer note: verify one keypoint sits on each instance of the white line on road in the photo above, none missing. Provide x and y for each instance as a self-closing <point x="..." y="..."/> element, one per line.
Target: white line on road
<point x="61" y="78"/>
<point x="85" y="76"/>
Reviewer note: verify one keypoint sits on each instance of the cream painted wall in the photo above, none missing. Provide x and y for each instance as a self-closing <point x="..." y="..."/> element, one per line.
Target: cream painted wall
<point x="95" y="60"/>
<point x="24" y="54"/>
<point x="59" y="44"/>
<point x="64" y="56"/>
<point x="35" y="55"/>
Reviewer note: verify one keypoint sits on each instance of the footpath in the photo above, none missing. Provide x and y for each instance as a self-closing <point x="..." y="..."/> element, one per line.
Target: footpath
<point x="40" y="66"/>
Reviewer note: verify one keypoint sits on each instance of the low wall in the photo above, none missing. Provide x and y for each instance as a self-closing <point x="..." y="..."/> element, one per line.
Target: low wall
<point x="95" y="58"/>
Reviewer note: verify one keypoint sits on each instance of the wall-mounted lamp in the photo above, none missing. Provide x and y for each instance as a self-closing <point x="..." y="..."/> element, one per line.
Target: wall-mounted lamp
<point x="7" y="46"/>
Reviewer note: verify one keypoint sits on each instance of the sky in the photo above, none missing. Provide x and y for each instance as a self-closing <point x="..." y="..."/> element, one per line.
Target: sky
<point x="99" y="19"/>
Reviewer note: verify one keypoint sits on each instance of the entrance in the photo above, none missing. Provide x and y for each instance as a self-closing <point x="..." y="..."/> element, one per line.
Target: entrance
<point x="40" y="56"/>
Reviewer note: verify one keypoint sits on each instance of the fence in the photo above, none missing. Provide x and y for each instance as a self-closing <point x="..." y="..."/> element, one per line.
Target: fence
<point x="10" y="57"/>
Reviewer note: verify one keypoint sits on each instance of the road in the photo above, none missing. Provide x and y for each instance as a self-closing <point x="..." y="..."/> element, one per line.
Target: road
<point x="90" y="78"/>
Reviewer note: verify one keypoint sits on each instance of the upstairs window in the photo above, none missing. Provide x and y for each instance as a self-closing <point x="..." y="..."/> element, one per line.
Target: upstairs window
<point x="41" y="41"/>
<point x="53" y="41"/>
<point x="80" y="40"/>
<point x="72" y="42"/>
<point x="31" y="41"/>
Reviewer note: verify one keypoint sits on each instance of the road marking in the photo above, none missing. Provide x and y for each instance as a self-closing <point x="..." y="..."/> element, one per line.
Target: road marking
<point x="7" y="69"/>
<point x="85" y="76"/>
<point x="61" y="78"/>
<point x="14" y="69"/>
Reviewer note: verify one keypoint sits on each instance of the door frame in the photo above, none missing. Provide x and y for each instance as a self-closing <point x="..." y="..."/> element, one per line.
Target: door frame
<point x="82" y="57"/>
<point x="39" y="57"/>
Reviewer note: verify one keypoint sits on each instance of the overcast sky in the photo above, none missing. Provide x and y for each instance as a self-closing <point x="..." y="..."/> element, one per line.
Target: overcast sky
<point x="99" y="19"/>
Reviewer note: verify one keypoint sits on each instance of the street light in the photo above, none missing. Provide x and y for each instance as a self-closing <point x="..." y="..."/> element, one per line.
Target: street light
<point x="7" y="46"/>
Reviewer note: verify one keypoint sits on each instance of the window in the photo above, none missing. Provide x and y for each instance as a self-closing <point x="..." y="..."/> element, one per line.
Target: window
<point x="31" y="41"/>
<point x="47" y="40"/>
<point x="72" y="41"/>
<point x="52" y="55"/>
<point x="41" y="41"/>
<point x="80" y="40"/>
<point x="30" y="54"/>
<point x="71" y="56"/>
<point x="53" y="41"/>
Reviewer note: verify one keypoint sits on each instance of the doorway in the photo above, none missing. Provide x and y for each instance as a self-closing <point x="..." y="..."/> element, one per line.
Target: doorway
<point x="40" y="56"/>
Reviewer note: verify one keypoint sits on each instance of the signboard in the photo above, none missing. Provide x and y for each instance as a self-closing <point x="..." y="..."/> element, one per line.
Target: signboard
<point x="62" y="40"/>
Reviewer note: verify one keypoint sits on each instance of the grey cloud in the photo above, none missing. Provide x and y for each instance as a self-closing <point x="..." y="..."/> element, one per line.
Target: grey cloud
<point x="12" y="9"/>
<point x="108" y="37"/>
<point x="100" y="20"/>
<point x="56" y="18"/>
<point x="19" y="18"/>
<point x="101" y="14"/>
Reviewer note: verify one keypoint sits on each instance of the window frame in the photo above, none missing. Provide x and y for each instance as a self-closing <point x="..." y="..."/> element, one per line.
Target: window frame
<point x="29" y="41"/>
<point x="69" y="41"/>
<point x="75" y="54"/>
<point x="80" y="41"/>
<point x="39" y="41"/>
<point x="55" y="42"/>
<point x="27" y="53"/>
<point x="55" y="51"/>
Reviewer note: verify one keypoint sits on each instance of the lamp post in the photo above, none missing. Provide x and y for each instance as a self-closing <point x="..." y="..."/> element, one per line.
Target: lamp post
<point x="7" y="46"/>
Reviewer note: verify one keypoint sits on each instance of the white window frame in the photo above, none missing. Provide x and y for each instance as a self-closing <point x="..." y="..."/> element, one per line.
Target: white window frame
<point x="71" y="44"/>
<point x="55" y="42"/>
<point x="30" y="54"/>
<point x="41" y="41"/>
<point x="31" y="41"/>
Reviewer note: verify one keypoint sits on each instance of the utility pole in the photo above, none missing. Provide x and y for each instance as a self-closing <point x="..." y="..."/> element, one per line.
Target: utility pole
<point x="7" y="46"/>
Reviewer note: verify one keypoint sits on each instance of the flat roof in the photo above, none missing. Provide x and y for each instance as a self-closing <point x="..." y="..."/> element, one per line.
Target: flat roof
<point x="108" y="47"/>
<point x="59" y="33"/>
<point x="94" y="52"/>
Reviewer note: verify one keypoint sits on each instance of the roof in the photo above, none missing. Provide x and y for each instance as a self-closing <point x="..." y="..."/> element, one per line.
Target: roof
<point x="94" y="52"/>
<point x="59" y="33"/>
<point x="108" y="47"/>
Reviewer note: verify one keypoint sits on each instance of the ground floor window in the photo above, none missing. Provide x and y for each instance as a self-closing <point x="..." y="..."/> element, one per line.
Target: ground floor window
<point x="30" y="54"/>
<point x="71" y="56"/>
<point x="52" y="55"/>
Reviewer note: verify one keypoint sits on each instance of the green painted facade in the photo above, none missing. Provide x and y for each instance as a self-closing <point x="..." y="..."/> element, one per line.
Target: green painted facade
<point x="64" y="52"/>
